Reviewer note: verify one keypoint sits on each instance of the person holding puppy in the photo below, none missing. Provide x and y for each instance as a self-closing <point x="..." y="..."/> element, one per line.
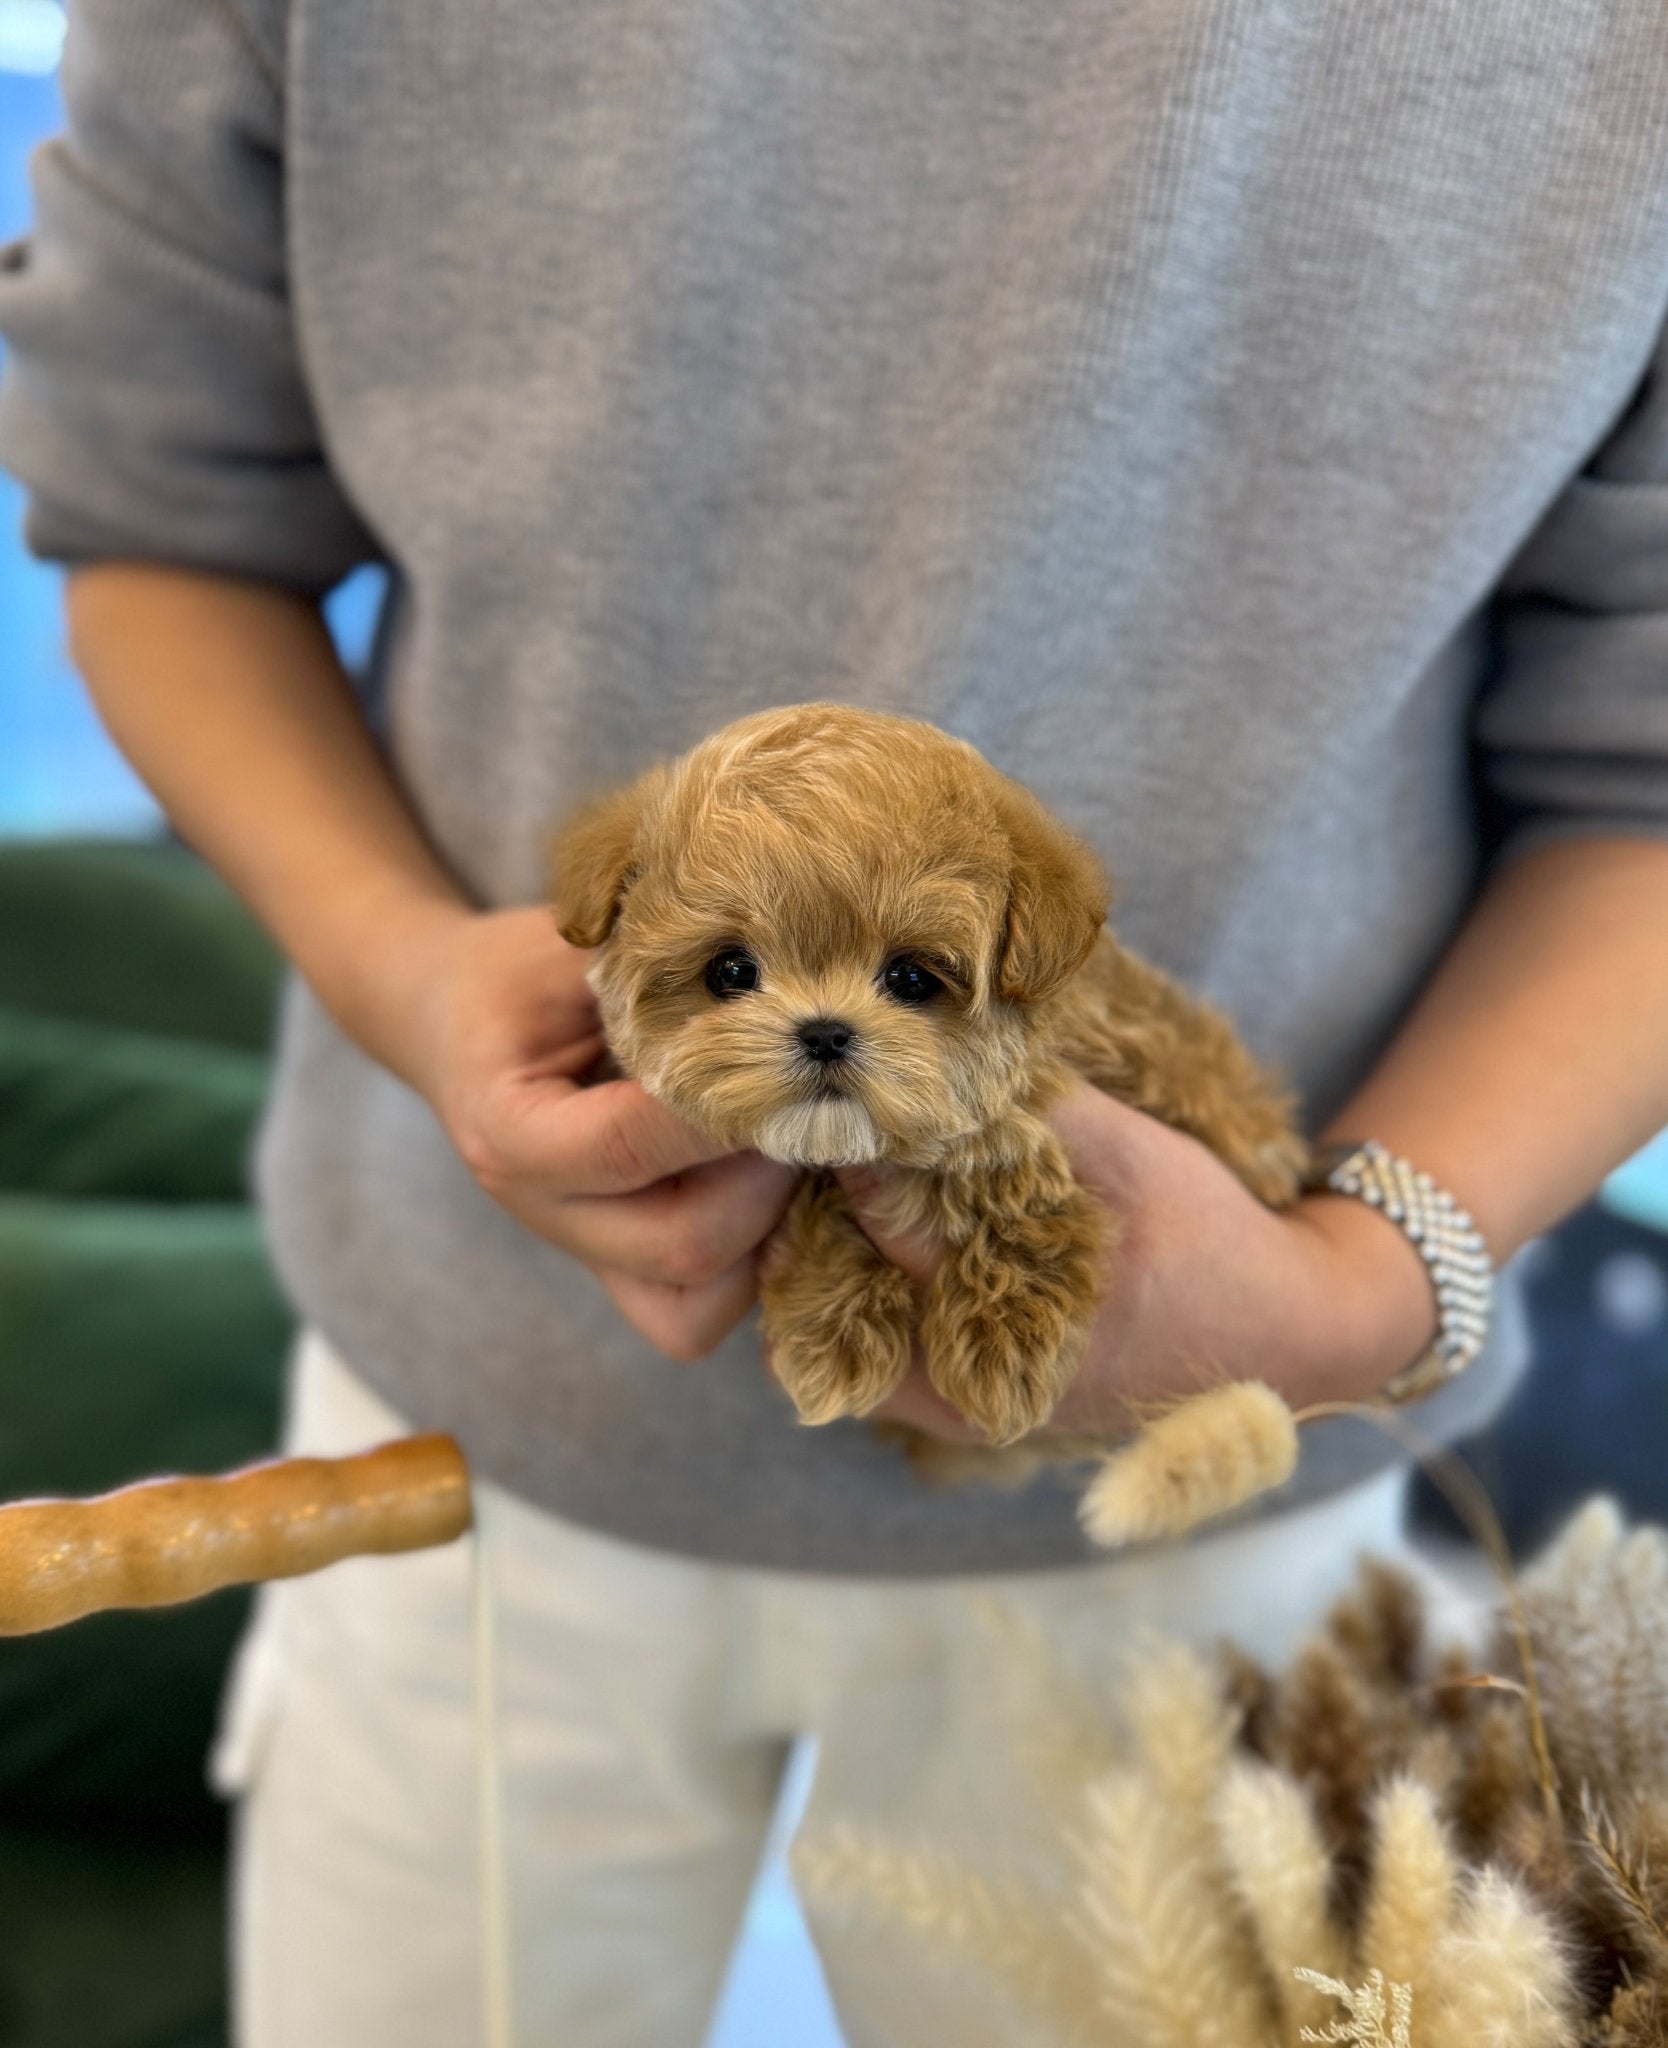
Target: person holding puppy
<point x="1248" y="427"/>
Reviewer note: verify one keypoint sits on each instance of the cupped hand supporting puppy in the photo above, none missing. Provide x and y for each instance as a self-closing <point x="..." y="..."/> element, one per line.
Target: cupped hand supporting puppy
<point x="841" y="938"/>
<point x="1201" y="1282"/>
<point x="501" y="1033"/>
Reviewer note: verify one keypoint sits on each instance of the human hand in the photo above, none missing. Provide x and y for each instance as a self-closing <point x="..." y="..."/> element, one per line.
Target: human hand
<point x="500" y="1030"/>
<point x="1324" y="1301"/>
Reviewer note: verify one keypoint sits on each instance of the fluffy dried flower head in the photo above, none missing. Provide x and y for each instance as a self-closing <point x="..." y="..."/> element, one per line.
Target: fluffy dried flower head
<point x="1597" y="1607"/>
<point x="824" y="933"/>
<point x="1205" y="1457"/>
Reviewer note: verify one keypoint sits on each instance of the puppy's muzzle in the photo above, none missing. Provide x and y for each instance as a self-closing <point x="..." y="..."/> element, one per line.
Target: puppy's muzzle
<point x="827" y="1040"/>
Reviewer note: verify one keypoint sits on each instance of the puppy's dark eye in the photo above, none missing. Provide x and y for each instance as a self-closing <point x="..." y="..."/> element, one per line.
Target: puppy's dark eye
<point x="732" y="972"/>
<point x="907" y="981"/>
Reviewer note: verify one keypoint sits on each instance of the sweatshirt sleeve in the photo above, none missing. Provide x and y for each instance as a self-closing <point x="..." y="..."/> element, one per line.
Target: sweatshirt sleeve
<point x="1572" y="729"/>
<point x="154" y="402"/>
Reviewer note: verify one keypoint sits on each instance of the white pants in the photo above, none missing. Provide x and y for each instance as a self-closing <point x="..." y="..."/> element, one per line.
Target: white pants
<point x="646" y="1704"/>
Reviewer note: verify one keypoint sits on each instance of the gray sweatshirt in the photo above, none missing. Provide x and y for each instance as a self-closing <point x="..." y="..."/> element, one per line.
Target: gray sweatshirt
<point x="1242" y="419"/>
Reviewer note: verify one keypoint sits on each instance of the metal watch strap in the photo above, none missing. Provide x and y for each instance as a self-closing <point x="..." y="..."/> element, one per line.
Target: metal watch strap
<point x="1461" y="1271"/>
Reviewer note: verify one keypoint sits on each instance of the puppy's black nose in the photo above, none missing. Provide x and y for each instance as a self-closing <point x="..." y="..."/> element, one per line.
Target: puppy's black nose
<point x="826" y="1039"/>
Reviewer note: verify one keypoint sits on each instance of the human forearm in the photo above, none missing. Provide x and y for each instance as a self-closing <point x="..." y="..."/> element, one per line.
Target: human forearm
<point x="1536" y="1058"/>
<point x="1534" y="1061"/>
<point x="229" y="700"/>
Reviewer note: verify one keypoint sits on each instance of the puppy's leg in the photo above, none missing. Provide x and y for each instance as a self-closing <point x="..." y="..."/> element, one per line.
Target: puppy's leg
<point x="1009" y="1308"/>
<point x="840" y="1320"/>
<point x="1132" y="1031"/>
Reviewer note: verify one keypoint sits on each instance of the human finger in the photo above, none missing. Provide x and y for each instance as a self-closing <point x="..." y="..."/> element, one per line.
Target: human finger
<point x="683" y="1231"/>
<point x="610" y="1139"/>
<point x="871" y="1192"/>
<point x="685" y="1324"/>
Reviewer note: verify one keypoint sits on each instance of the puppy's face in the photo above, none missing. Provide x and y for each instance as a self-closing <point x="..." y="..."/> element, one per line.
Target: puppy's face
<point x="824" y="932"/>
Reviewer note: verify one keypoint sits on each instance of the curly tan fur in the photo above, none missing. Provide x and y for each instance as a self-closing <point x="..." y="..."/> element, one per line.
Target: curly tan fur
<point x="845" y="1317"/>
<point x="826" y="841"/>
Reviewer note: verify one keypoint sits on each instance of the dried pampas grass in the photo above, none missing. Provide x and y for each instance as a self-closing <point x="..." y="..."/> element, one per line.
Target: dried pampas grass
<point x="1595" y="1604"/>
<point x="1172" y="1968"/>
<point x="1413" y="1882"/>
<point x="1376" y="2016"/>
<point x="1281" y="1874"/>
<point x="1374" y="1847"/>
<point x="1010" y="1934"/>
<point x="1204" y="1458"/>
<point x="1501" y="1973"/>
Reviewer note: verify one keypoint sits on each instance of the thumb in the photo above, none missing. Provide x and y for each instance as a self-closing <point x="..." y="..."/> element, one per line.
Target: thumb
<point x="874" y="1195"/>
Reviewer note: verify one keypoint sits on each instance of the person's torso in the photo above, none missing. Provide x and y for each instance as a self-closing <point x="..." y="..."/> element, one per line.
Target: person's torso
<point x="1151" y="393"/>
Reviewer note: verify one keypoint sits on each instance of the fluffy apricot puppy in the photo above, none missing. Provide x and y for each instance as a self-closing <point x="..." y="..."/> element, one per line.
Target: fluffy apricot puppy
<point x="837" y="936"/>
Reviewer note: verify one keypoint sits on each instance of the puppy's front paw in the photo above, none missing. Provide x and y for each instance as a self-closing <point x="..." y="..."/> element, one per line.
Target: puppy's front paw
<point x="844" y="1354"/>
<point x="840" y="1321"/>
<point x="1009" y="1313"/>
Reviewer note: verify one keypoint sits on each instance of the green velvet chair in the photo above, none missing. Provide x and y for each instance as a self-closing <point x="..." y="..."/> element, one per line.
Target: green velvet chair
<point x="140" y="1332"/>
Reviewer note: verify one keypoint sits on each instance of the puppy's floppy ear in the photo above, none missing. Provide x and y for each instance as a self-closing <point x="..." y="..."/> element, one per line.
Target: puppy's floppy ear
<point x="1058" y="897"/>
<point x="590" y="862"/>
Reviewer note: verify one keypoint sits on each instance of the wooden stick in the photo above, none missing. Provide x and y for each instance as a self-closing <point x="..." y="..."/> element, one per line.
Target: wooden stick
<point x="169" y="1540"/>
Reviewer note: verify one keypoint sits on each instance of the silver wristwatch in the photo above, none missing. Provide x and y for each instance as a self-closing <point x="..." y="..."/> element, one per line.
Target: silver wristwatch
<point x="1461" y="1271"/>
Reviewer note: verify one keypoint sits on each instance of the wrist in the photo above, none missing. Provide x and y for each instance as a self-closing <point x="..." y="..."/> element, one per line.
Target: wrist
<point x="1373" y="1311"/>
<point x="380" y="966"/>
